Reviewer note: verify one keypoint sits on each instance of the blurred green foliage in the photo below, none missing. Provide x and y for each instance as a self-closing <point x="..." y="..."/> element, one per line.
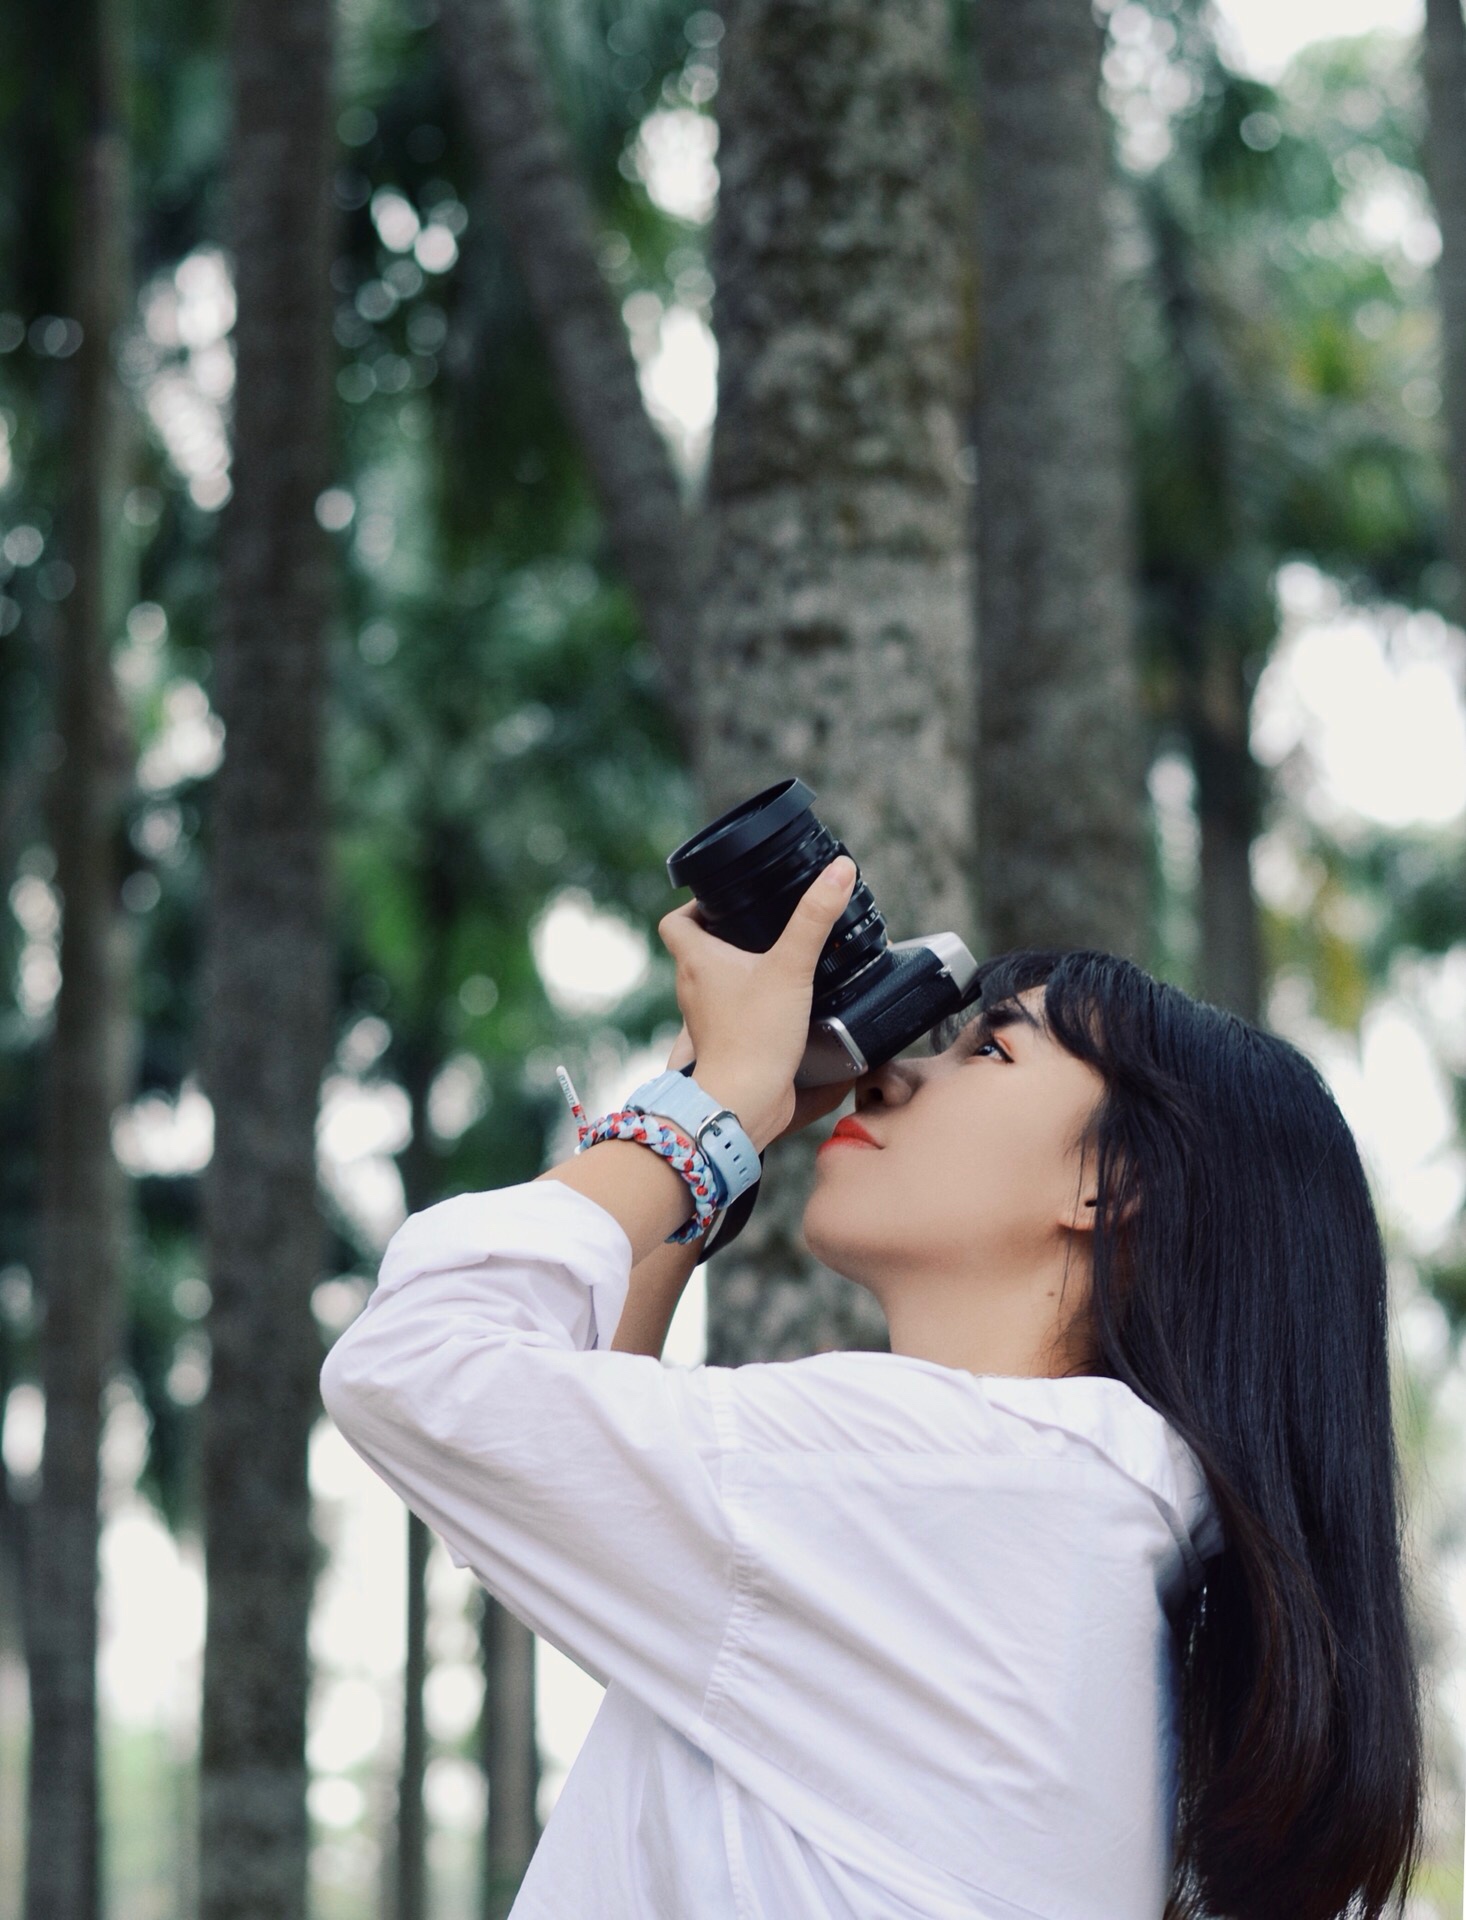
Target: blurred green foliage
<point x="498" y="732"/>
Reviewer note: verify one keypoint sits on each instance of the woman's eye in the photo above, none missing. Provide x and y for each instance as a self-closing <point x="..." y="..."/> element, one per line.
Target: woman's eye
<point x="973" y="1053"/>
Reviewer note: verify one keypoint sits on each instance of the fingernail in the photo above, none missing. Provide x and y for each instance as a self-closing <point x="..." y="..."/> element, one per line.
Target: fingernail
<point x="839" y="873"/>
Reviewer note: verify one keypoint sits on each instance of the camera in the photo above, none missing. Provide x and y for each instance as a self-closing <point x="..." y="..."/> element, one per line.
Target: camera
<point x="872" y="997"/>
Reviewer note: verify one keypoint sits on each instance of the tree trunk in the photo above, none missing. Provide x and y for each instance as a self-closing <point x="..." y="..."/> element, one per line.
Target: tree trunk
<point x="1062" y="805"/>
<point x="1229" y="795"/>
<point x="268" y="975"/>
<point x="544" y="208"/>
<point x="87" y="1070"/>
<point x="837" y="600"/>
<point x="509" y="1752"/>
<point x="1218" y="616"/>
<point x="410" y="1858"/>
<point x="421" y="1060"/>
<point x="1444" y="63"/>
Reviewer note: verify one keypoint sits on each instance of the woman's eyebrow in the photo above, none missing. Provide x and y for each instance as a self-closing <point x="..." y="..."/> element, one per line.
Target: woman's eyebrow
<point x="1007" y="1013"/>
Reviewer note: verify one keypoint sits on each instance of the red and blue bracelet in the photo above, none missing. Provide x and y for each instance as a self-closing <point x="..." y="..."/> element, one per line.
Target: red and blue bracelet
<point x="654" y="1131"/>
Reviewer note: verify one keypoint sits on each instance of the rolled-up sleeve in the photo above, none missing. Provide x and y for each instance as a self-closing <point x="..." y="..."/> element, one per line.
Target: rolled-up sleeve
<point x="582" y="1487"/>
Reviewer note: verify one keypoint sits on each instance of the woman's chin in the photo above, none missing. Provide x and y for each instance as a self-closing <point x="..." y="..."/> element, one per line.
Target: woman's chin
<point x="821" y="1225"/>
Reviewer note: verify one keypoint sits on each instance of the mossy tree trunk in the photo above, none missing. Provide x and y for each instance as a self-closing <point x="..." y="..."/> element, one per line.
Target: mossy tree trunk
<point x="836" y="602"/>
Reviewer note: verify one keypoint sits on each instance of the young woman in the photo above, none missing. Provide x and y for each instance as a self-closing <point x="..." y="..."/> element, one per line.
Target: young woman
<point x="1084" y="1602"/>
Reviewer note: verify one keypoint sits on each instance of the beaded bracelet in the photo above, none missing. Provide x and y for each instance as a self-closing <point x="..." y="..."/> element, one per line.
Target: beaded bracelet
<point x="663" y="1137"/>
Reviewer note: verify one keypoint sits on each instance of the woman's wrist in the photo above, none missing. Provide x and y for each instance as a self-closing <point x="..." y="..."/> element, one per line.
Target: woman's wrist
<point x="640" y="1188"/>
<point x="757" y="1114"/>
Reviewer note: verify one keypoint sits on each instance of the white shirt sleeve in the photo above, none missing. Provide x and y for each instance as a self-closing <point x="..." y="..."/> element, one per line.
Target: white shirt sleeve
<point x="581" y="1486"/>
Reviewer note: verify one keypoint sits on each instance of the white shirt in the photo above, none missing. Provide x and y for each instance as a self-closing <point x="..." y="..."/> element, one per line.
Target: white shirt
<point x="881" y="1639"/>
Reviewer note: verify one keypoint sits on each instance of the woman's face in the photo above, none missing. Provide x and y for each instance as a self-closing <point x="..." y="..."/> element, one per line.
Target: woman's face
<point x="976" y="1177"/>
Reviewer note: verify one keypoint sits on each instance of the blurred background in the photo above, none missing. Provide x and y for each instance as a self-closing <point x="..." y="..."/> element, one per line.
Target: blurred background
<point x="450" y="450"/>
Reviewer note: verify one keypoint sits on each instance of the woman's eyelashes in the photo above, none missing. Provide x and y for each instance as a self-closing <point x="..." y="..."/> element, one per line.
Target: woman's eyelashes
<point x="974" y="1051"/>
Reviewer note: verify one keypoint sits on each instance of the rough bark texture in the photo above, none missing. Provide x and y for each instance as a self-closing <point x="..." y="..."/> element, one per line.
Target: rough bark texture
<point x="88" y="1072"/>
<point x="1061" y="806"/>
<point x="268" y="975"/>
<point x="509" y="1753"/>
<point x="1444" y="63"/>
<point x="837" y="600"/>
<point x="543" y="206"/>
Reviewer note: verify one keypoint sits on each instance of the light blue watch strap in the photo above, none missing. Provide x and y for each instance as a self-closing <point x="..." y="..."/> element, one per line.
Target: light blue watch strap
<point x="716" y="1129"/>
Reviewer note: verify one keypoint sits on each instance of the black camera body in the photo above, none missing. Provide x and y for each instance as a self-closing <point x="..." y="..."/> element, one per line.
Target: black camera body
<point x="872" y="997"/>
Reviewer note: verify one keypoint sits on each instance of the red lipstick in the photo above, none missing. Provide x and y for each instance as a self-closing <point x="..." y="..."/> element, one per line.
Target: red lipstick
<point x="850" y="1130"/>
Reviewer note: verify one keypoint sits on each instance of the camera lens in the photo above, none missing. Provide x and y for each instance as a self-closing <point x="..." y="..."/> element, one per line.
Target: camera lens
<point x="748" y="871"/>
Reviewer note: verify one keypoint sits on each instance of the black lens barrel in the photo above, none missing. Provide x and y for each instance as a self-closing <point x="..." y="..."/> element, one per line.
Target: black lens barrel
<point x="751" y="866"/>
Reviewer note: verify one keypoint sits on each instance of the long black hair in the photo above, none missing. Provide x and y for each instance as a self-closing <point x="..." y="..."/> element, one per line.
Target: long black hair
<point x="1239" y="1289"/>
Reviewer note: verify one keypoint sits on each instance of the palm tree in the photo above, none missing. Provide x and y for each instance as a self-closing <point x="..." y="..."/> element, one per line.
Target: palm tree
<point x="88" y="1069"/>
<point x="1443" y="58"/>
<point x="525" y="160"/>
<point x="1268" y="428"/>
<point x="835" y="637"/>
<point x="268" y="977"/>
<point x="1062" y="818"/>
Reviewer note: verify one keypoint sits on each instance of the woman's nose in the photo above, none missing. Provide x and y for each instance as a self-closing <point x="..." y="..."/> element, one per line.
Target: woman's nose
<point x="889" y="1084"/>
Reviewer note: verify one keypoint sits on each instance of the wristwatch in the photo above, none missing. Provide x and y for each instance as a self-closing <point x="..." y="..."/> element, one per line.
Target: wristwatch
<point x="716" y="1129"/>
<point x="728" y="1224"/>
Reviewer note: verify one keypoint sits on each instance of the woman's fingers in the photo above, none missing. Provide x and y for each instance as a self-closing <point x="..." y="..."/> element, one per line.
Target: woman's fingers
<point x="750" y="1012"/>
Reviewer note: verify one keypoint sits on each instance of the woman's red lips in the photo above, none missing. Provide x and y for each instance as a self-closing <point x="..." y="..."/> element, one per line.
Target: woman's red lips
<point x="850" y="1129"/>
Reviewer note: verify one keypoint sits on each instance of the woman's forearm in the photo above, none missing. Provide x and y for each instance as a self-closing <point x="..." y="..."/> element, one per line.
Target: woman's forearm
<point x="657" y="1284"/>
<point x="644" y="1191"/>
<point x="650" y="1198"/>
